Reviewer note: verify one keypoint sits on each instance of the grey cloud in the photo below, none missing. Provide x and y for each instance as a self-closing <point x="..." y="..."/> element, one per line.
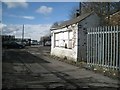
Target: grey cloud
<point x="32" y="31"/>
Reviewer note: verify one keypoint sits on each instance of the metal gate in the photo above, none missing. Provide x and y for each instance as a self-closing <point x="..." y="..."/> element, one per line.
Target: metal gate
<point x="103" y="47"/>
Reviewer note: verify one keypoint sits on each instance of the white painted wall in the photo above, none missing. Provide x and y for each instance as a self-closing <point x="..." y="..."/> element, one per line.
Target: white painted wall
<point x="63" y="52"/>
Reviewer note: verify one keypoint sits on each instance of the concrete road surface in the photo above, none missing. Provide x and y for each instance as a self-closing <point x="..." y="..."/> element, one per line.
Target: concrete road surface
<point x="30" y="68"/>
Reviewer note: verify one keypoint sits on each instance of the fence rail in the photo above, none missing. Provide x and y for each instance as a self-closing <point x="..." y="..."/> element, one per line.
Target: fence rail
<point x="103" y="47"/>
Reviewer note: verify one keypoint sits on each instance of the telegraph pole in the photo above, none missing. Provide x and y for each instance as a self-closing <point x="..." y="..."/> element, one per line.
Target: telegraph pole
<point x="23" y="33"/>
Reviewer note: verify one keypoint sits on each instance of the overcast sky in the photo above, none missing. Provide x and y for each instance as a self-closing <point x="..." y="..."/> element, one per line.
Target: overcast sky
<point x="36" y="16"/>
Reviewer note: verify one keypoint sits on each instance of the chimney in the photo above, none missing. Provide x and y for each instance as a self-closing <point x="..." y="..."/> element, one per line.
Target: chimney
<point x="77" y="13"/>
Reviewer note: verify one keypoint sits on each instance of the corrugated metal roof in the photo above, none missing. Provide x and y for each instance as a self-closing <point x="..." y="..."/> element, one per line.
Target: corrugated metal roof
<point x="72" y="21"/>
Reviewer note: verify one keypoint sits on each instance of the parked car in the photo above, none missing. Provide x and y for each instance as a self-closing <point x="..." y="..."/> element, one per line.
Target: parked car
<point x="21" y="43"/>
<point x="48" y="43"/>
<point x="34" y="42"/>
<point x="12" y="44"/>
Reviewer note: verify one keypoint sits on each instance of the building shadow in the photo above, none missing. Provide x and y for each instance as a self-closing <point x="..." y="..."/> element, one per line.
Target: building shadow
<point x="17" y="56"/>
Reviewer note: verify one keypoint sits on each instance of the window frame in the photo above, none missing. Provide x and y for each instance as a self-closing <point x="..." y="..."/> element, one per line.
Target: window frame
<point x="68" y="39"/>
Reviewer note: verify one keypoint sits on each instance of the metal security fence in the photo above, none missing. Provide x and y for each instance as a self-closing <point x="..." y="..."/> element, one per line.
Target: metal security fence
<point x="103" y="47"/>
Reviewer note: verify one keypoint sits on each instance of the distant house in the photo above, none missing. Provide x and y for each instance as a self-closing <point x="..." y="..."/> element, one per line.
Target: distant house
<point x="8" y="38"/>
<point x="45" y="40"/>
<point x="68" y="39"/>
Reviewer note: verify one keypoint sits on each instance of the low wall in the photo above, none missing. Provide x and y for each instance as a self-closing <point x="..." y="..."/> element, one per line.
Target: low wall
<point x="64" y="53"/>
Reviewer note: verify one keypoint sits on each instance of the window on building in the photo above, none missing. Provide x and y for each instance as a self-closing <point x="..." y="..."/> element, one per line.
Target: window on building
<point x="57" y="39"/>
<point x="64" y="39"/>
<point x="70" y="39"/>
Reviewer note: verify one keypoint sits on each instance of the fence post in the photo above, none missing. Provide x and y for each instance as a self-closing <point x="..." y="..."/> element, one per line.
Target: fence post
<point x="87" y="47"/>
<point x="103" y="47"/>
<point x="91" y="46"/>
<point x="114" y="51"/>
<point x="117" y="48"/>
<point x="100" y="48"/>
<point x="93" y="40"/>
<point x="98" y="45"/>
<point x="108" y="47"/>
<point x="111" y="49"/>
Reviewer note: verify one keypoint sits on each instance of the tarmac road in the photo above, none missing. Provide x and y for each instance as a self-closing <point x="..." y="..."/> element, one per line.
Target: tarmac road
<point x="31" y="69"/>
